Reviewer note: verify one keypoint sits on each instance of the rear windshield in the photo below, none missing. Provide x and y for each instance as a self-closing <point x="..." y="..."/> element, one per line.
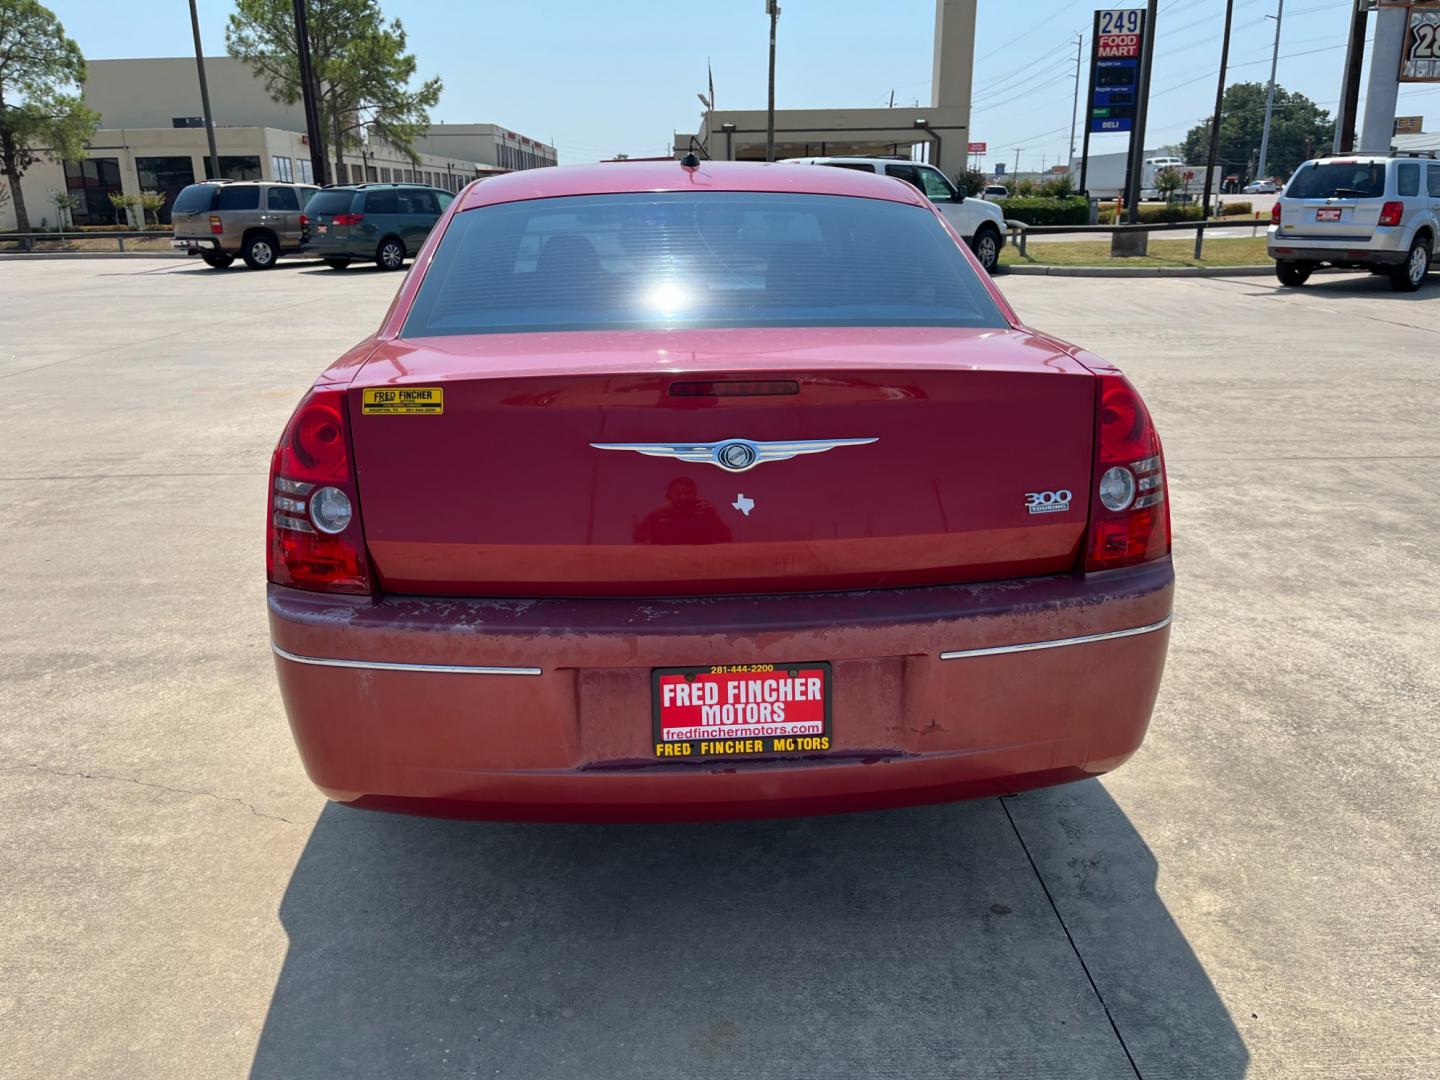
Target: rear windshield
<point x="238" y="198"/>
<point x="330" y="202"/>
<point x="721" y="259"/>
<point x="1336" y="179"/>
<point x="193" y="199"/>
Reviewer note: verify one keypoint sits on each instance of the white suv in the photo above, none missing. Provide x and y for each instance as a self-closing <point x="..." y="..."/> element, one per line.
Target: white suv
<point x="1378" y="212"/>
<point x="982" y="224"/>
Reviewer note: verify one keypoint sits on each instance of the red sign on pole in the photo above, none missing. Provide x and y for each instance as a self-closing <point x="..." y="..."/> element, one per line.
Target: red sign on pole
<point x="1118" y="45"/>
<point x="979" y="148"/>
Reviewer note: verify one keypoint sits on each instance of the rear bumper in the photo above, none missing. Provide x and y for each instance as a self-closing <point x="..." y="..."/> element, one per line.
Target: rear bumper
<point x="540" y="710"/>
<point x="195" y="245"/>
<point x="1388" y="247"/>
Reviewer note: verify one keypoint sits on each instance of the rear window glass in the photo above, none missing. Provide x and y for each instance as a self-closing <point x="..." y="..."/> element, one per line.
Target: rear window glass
<point x="380" y="202"/>
<point x="1335" y="179"/>
<point x="238" y="198"/>
<point x="721" y="259"/>
<point x="330" y="202"/>
<point x="282" y="198"/>
<point x="193" y="199"/>
<point x="1407" y="178"/>
<point x="849" y="165"/>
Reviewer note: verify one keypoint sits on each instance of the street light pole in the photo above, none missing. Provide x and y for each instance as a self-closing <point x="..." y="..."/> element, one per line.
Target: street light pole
<point x="772" y="8"/>
<point x="204" y="93"/>
<point x="1270" y="94"/>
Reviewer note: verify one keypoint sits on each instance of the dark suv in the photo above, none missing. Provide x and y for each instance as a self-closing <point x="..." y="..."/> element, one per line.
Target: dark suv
<point x="383" y="222"/>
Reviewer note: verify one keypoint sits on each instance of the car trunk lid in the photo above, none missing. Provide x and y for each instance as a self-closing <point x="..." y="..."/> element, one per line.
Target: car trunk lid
<point x="493" y="483"/>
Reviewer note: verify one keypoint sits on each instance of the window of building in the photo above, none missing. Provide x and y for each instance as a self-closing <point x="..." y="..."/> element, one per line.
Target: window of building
<point x="282" y="168"/>
<point x="93" y="180"/>
<point x="304" y="171"/>
<point x="167" y="175"/>
<point x="370" y="174"/>
<point x="281" y="198"/>
<point x="236" y="167"/>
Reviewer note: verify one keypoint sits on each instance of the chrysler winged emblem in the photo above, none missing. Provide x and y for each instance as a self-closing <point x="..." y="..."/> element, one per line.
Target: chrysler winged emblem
<point x="734" y="455"/>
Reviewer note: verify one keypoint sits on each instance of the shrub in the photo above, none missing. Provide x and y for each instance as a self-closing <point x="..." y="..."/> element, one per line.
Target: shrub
<point x="1024" y="188"/>
<point x="970" y="182"/>
<point x="1058" y="187"/>
<point x="1038" y="211"/>
<point x="1156" y="215"/>
<point x="1232" y="209"/>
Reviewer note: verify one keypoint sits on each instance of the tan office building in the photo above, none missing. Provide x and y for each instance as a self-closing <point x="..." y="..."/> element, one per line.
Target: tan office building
<point x="152" y="138"/>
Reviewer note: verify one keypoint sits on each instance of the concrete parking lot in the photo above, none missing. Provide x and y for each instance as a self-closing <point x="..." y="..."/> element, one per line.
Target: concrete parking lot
<point x="1256" y="894"/>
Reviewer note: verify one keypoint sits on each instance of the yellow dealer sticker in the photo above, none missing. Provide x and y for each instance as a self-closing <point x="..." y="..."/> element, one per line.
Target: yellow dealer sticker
<point x="404" y="400"/>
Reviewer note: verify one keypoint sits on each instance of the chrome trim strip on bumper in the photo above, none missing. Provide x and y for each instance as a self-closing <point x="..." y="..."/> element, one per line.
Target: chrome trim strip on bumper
<point x="381" y="665"/>
<point x="1055" y="643"/>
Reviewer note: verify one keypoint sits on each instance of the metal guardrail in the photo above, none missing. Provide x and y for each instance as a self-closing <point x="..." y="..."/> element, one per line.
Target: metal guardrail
<point x="28" y="240"/>
<point x="1019" y="231"/>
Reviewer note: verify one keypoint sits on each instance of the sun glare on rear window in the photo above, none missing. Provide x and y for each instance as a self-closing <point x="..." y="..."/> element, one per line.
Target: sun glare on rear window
<point x="683" y="260"/>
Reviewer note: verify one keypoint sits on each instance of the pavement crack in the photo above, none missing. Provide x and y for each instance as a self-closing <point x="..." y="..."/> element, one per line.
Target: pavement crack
<point x="1071" y="939"/>
<point x="148" y="784"/>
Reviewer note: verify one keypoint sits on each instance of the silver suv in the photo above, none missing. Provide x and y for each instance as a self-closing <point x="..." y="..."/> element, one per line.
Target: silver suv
<point x="1378" y="212"/>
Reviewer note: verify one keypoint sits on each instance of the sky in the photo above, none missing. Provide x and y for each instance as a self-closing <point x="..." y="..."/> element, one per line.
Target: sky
<point x="596" y="79"/>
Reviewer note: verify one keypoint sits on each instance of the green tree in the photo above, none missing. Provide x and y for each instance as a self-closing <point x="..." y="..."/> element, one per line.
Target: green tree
<point x="1298" y="129"/>
<point x="970" y="182"/>
<point x="1168" y="181"/>
<point x="363" y="72"/>
<point x="38" y="63"/>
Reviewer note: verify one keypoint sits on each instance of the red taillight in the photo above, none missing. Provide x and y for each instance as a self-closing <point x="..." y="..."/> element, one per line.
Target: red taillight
<point x="304" y="221"/>
<point x="1275" y="214"/>
<point x="1129" y="514"/>
<point x="1391" y="213"/>
<point x="315" y="539"/>
<point x="347" y="219"/>
<point x="215" y="225"/>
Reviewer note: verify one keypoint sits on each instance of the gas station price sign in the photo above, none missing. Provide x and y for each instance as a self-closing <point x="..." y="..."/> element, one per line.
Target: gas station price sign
<point x="1115" y="70"/>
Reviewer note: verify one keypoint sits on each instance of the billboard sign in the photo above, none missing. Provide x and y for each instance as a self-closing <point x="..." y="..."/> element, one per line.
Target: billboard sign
<point x="979" y="148"/>
<point x="1115" y="70"/>
<point x="1409" y="125"/>
<point x="1420" y="58"/>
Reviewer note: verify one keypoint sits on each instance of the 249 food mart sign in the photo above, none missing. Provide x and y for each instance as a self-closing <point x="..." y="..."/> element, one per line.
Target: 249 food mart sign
<point x="1115" y="69"/>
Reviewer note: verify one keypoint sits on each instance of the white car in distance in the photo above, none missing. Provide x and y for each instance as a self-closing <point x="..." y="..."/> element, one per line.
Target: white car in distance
<point x="980" y="223"/>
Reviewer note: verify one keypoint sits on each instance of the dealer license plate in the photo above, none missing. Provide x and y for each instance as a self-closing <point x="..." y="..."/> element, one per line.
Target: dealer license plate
<point x="322" y="229"/>
<point x="1328" y="213"/>
<point x="741" y="710"/>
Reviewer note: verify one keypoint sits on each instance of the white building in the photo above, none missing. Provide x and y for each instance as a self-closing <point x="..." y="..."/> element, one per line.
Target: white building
<point x="152" y="137"/>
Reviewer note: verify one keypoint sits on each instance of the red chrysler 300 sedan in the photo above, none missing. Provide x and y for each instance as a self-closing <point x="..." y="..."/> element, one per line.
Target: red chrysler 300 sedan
<point x="676" y="491"/>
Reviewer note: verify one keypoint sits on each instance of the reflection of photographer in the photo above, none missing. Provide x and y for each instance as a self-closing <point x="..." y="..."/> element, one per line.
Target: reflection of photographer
<point x="683" y="518"/>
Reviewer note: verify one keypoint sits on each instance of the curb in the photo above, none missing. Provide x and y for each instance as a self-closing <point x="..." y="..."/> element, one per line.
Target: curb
<point x="1141" y="271"/>
<point x="9" y="255"/>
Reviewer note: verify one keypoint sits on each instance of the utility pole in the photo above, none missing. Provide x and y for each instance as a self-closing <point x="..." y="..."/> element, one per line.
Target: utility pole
<point x="1136" y="164"/>
<point x="1017" y="159"/>
<point x="204" y="93"/>
<point x="307" y="90"/>
<point x="1350" y="85"/>
<point x="1270" y="94"/>
<point x="772" y="8"/>
<point x="1214" y="155"/>
<point x="1075" y="105"/>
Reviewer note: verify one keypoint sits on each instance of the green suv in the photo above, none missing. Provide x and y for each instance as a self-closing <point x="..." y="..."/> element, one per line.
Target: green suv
<point x="380" y="222"/>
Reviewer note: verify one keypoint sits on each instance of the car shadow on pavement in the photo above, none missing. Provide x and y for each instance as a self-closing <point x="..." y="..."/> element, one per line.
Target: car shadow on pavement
<point x="910" y="943"/>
